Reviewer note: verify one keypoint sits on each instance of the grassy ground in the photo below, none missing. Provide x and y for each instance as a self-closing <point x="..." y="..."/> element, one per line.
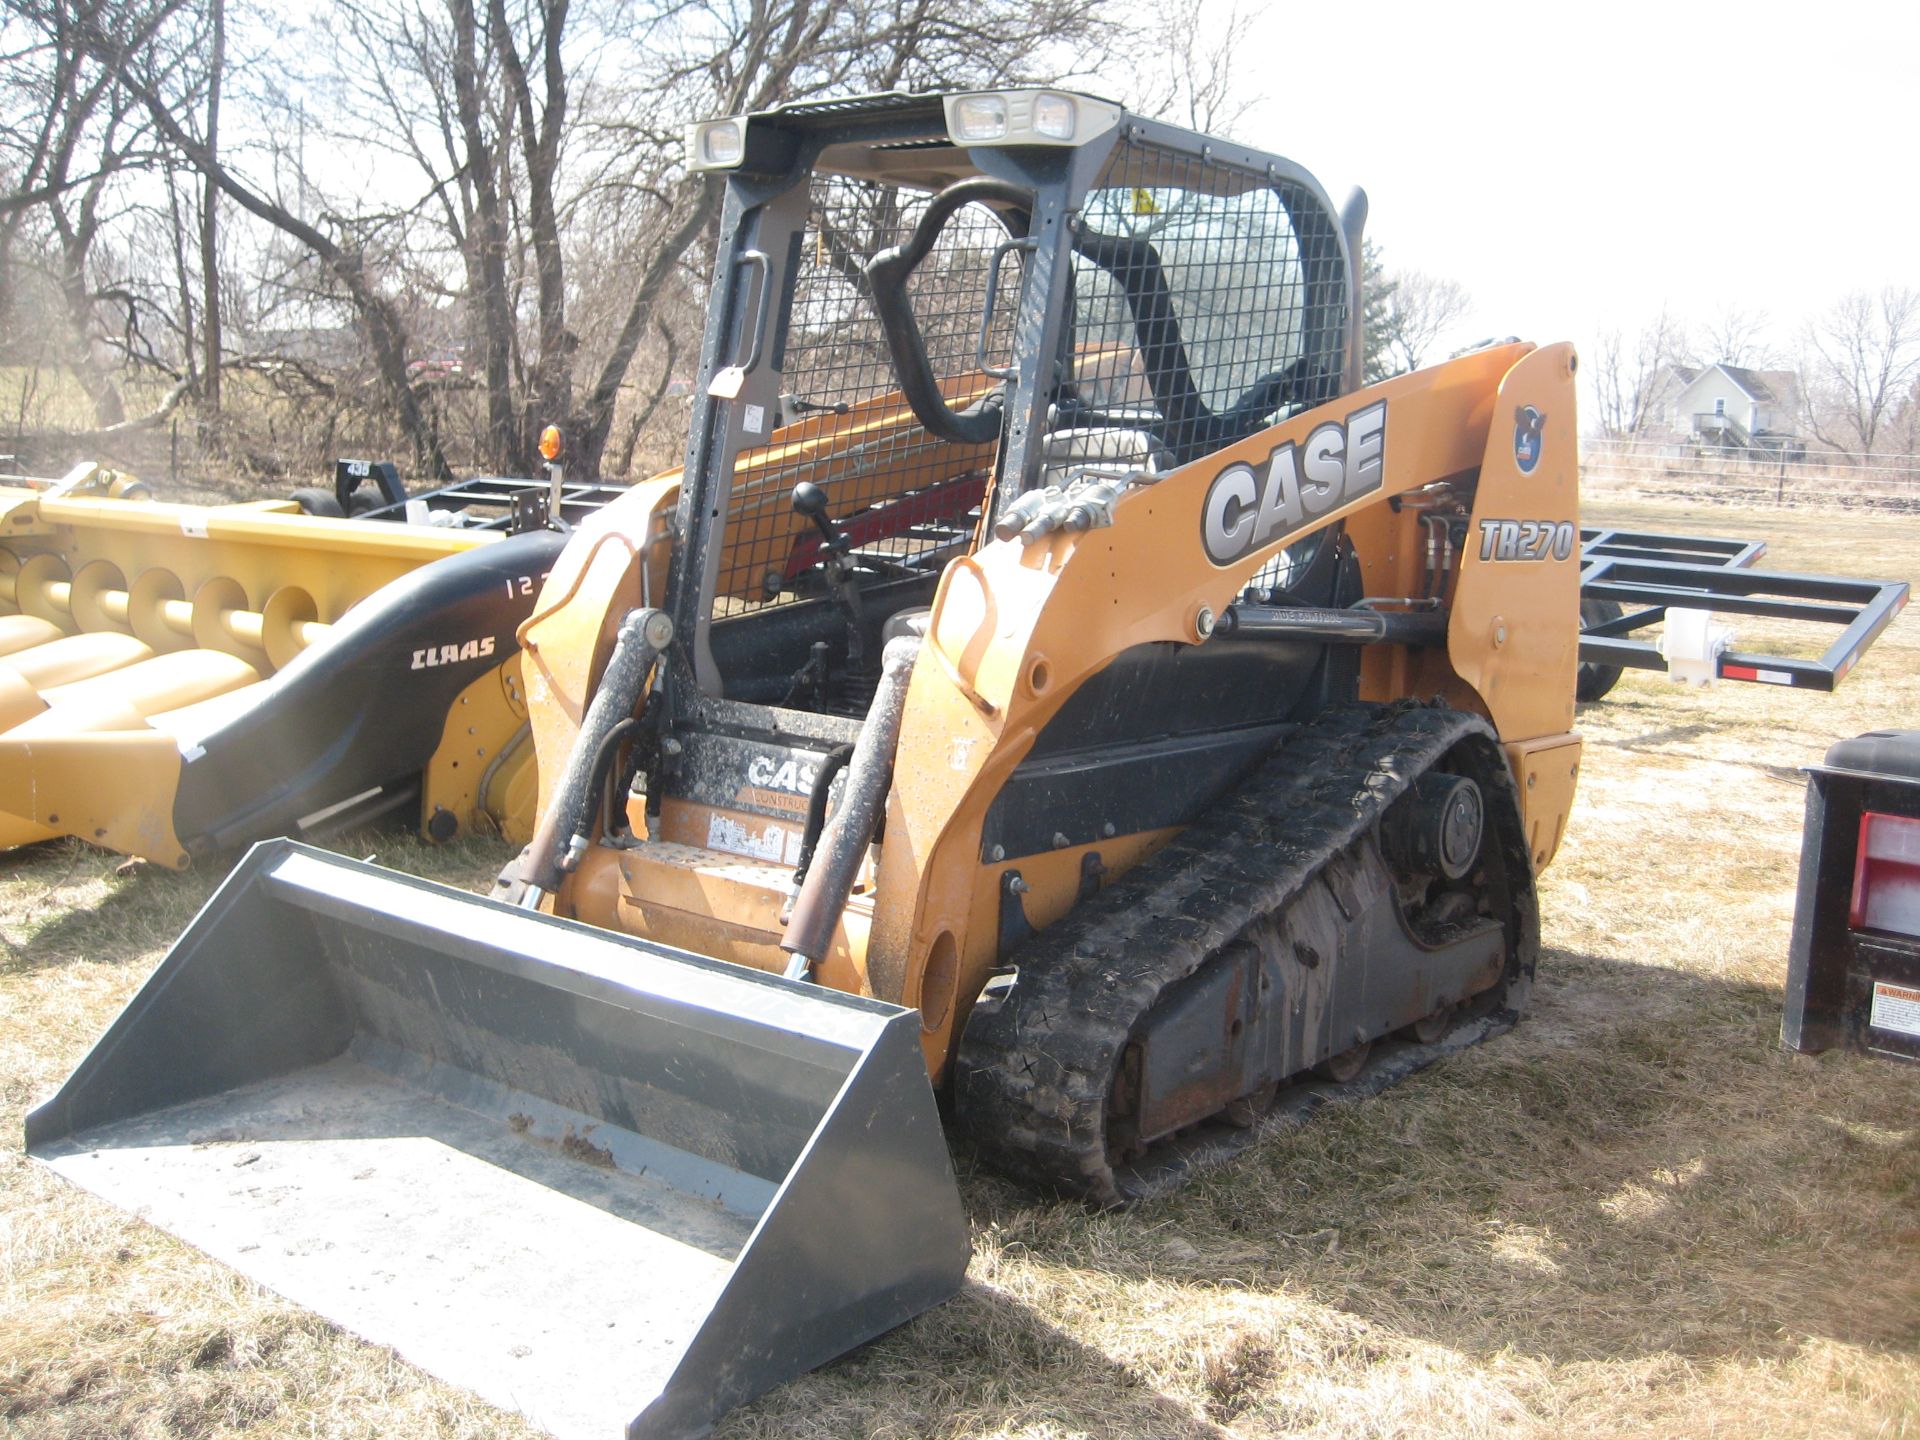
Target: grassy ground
<point x="1631" y="1215"/>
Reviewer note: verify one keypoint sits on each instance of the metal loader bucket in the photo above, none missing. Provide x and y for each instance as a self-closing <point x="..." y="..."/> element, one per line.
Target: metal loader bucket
<point x="609" y="1184"/>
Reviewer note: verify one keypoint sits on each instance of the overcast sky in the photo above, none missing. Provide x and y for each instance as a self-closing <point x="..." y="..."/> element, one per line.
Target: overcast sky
<point x="1576" y="166"/>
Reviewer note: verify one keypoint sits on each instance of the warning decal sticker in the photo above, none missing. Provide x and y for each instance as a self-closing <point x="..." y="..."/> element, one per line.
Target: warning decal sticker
<point x="775" y="842"/>
<point x="1896" y="1008"/>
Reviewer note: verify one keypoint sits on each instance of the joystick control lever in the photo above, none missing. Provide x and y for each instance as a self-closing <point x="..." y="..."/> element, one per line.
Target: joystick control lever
<point x="811" y="501"/>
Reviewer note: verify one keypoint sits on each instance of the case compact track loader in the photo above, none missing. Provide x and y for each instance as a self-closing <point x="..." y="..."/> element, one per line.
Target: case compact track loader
<point x="1053" y="676"/>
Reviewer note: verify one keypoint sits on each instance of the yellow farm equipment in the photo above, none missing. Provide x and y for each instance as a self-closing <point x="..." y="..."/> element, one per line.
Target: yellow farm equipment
<point x="178" y="680"/>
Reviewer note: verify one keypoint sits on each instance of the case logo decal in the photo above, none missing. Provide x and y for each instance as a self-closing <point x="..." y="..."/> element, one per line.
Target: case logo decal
<point x="1248" y="507"/>
<point x="770" y="772"/>
<point x="435" y="655"/>
<point x="1528" y="438"/>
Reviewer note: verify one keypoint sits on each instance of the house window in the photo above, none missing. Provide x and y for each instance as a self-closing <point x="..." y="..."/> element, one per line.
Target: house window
<point x="1720" y="405"/>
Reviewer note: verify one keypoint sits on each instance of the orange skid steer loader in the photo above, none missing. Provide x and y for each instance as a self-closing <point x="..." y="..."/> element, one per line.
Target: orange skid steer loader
<point x="1054" y="680"/>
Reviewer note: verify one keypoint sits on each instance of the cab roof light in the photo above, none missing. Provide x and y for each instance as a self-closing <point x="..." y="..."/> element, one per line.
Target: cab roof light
<point x="976" y="119"/>
<point x="717" y="144"/>
<point x="1027" y="117"/>
<point x="1053" y="117"/>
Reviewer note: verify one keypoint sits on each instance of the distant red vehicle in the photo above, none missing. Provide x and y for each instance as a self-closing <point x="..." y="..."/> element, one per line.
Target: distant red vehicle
<point x="443" y="367"/>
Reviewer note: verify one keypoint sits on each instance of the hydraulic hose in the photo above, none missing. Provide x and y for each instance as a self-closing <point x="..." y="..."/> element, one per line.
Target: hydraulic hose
<point x="830" y="768"/>
<point x="643" y="634"/>
<point x="823" y="896"/>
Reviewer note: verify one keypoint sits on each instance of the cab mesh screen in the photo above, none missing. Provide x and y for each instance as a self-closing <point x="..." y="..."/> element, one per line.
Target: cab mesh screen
<point x="1209" y="302"/>
<point x="905" y="498"/>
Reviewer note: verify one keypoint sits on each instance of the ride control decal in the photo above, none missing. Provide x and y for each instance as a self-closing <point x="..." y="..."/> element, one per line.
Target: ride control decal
<point x="1527" y="539"/>
<point x="1248" y="507"/>
<point x="1529" y="427"/>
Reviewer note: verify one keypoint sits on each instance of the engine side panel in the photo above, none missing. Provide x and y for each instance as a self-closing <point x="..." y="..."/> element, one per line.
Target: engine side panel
<point x="1020" y="628"/>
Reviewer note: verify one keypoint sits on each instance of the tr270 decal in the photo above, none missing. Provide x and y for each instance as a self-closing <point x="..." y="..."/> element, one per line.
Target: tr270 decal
<point x="1526" y="539"/>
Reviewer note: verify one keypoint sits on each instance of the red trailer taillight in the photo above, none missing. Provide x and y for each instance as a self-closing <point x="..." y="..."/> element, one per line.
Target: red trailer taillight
<point x="1886" y="875"/>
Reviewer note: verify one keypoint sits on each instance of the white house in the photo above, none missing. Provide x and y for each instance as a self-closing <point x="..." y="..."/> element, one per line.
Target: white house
<point x="1732" y="408"/>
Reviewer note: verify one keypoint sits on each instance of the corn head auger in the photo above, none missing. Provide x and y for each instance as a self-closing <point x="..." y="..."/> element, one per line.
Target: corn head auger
<point x="1054" y="677"/>
<point x="182" y="680"/>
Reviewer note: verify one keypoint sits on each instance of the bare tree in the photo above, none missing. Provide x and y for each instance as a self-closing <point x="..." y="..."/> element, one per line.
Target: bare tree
<point x="1861" y="362"/>
<point x="1420" y="310"/>
<point x="1190" y="62"/>
<point x="70" y="138"/>
<point x="1376" y="310"/>
<point x="555" y="190"/>
<point x="1735" y="335"/>
<point x="473" y="182"/>
<point x="341" y="253"/>
<point x="1632" y="373"/>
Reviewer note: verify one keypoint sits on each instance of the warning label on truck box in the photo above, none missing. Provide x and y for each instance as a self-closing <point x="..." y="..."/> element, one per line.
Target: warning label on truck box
<point x="1896" y="1008"/>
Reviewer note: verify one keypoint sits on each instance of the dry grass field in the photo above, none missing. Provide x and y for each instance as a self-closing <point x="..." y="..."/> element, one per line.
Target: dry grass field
<point x="1632" y="1215"/>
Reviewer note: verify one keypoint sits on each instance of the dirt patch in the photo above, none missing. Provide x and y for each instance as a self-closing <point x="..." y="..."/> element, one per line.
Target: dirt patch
<point x="583" y="1149"/>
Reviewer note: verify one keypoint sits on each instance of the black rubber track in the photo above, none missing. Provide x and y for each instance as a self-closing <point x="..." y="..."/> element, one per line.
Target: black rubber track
<point x="1036" y="1065"/>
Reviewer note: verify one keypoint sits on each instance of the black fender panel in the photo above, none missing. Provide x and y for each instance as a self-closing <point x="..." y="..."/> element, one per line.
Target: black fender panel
<point x="367" y="705"/>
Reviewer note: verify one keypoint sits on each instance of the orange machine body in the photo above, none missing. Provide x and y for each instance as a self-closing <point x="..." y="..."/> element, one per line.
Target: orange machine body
<point x="1017" y="628"/>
